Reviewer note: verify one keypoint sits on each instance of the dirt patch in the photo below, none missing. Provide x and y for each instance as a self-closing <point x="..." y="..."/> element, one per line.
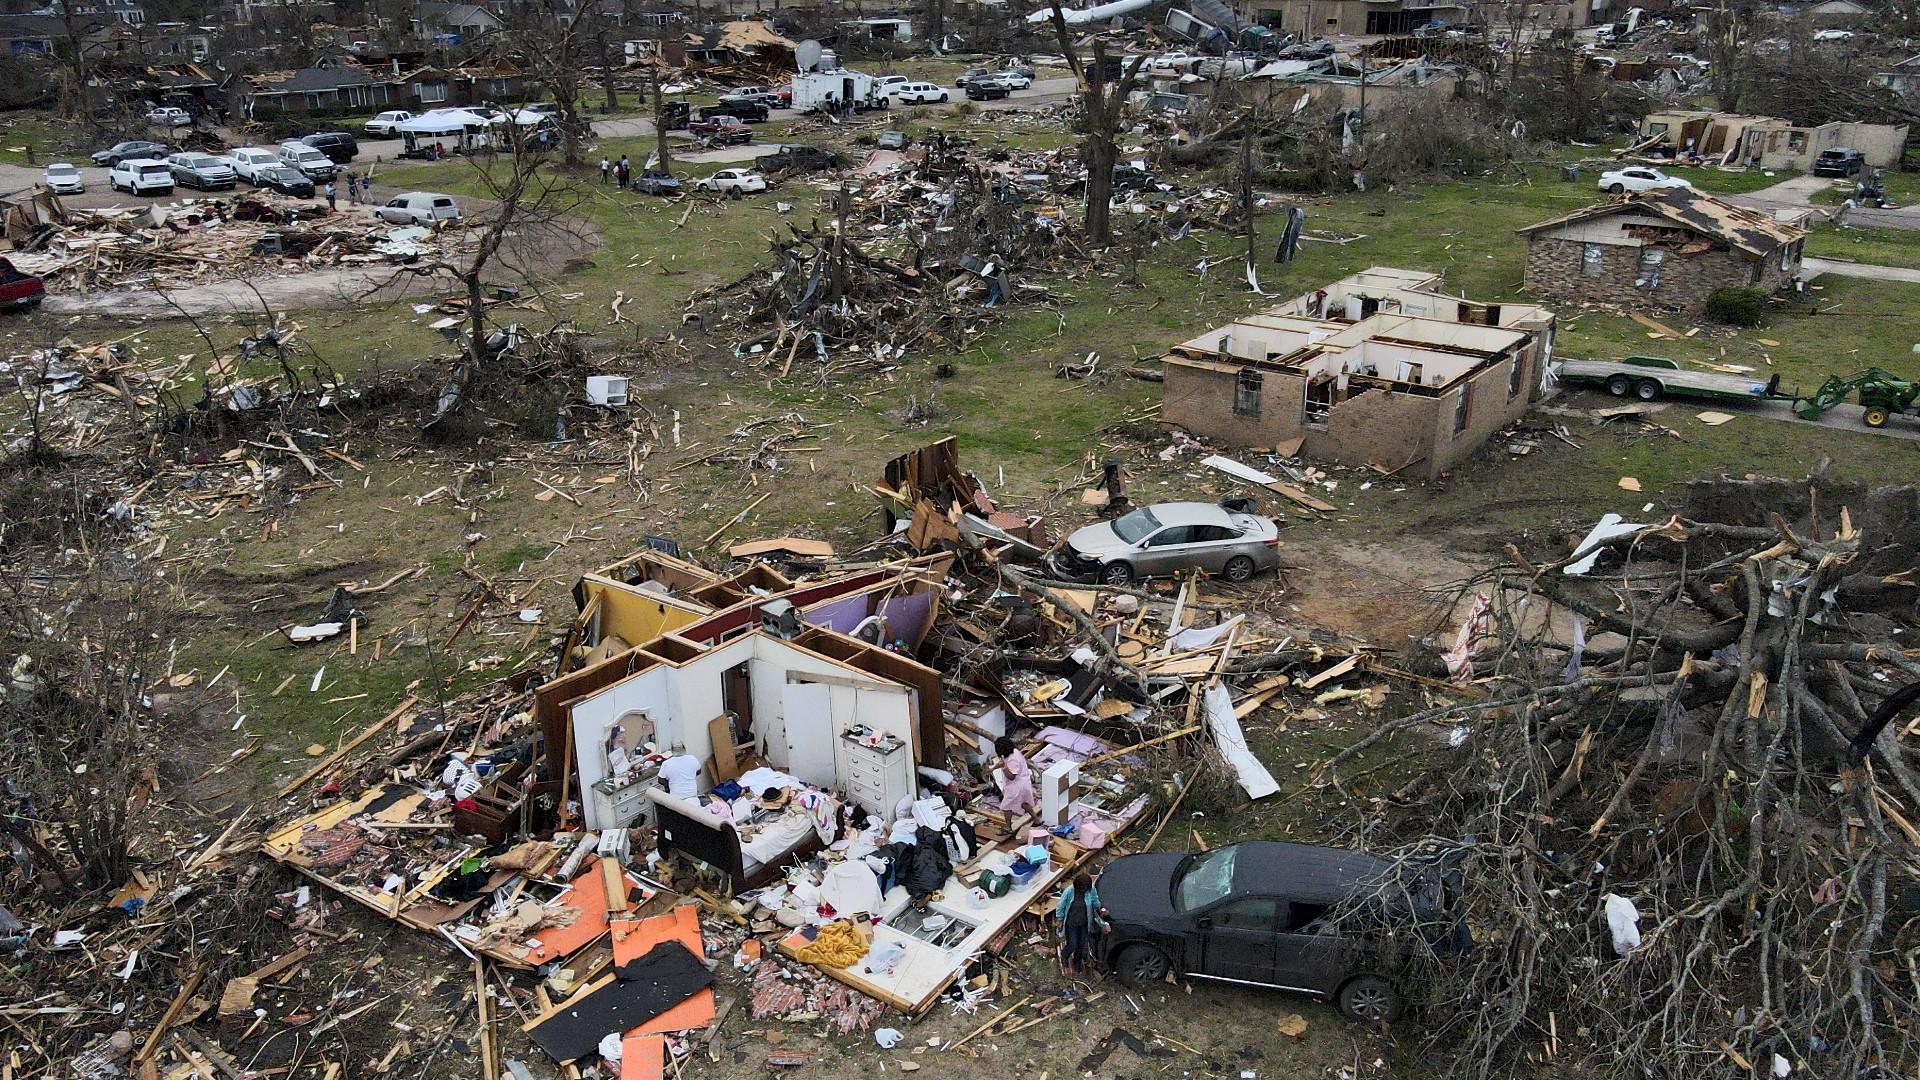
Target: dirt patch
<point x="1381" y="592"/>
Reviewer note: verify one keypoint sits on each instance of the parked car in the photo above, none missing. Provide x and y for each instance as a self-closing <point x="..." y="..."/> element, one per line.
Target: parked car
<point x="773" y="97"/>
<point x="1833" y="35"/>
<point x="884" y="84"/>
<point x="387" y="124"/>
<point x="203" y="172"/>
<point x="419" y="208"/>
<point x="797" y="156"/>
<point x="987" y="90"/>
<point x="751" y="111"/>
<point x="676" y="114"/>
<point x="1015" y="78"/>
<point x="284" y="179"/>
<point x="339" y="146"/>
<point x="892" y="140"/>
<point x="1166" y="538"/>
<point x="1638" y="178"/>
<point x="1133" y="178"/>
<point x="170" y="116"/>
<point x="64" y="179"/>
<point x="724" y="129"/>
<point x="969" y="75"/>
<point x="1256" y="912"/>
<point x="1173" y="63"/>
<point x="309" y="160"/>
<point x="1839" y="161"/>
<point x="142" y="176"/>
<point x="655" y="182"/>
<point x="19" y="290"/>
<point x="138" y="148"/>
<point x="735" y="182"/>
<point x="916" y="93"/>
<point x="247" y="161"/>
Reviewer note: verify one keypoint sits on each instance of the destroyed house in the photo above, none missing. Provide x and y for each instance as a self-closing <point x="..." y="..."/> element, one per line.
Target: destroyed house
<point x="1378" y="368"/>
<point x="1766" y="142"/>
<point x="1671" y="247"/>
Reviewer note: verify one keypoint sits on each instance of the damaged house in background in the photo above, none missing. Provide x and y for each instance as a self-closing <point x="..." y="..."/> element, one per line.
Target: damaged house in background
<point x="1671" y="246"/>
<point x="1380" y="367"/>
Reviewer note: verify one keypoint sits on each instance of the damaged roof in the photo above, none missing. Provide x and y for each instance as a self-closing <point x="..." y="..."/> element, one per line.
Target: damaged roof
<point x="1753" y="231"/>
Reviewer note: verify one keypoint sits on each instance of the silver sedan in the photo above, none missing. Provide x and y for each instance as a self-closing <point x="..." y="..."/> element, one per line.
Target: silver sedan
<point x="1166" y="538"/>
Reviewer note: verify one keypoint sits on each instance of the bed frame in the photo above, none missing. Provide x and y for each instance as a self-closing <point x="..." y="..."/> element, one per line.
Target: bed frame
<point x="684" y="827"/>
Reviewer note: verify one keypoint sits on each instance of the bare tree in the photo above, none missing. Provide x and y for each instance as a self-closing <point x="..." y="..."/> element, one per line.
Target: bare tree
<point x="1102" y="104"/>
<point x="1728" y="25"/>
<point x="529" y="213"/>
<point x="659" y="115"/>
<point x="555" y="49"/>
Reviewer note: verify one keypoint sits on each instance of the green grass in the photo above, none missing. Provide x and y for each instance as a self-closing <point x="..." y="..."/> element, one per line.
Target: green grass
<point x="1866" y="244"/>
<point x="1729" y="181"/>
<point x="30" y="140"/>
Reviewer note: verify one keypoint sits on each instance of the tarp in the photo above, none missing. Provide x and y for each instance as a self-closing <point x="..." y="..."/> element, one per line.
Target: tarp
<point x="1254" y="778"/>
<point x="444" y="122"/>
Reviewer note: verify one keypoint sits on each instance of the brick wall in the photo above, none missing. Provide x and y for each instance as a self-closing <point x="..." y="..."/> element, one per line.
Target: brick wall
<point x="1554" y="270"/>
<point x="1201" y="400"/>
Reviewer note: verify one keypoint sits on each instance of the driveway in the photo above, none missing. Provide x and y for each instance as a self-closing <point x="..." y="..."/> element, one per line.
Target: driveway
<point x="1811" y="268"/>
<point x="1797" y="194"/>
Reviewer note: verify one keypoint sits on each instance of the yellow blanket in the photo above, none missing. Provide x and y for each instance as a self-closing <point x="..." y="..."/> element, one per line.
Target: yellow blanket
<point x="839" y="945"/>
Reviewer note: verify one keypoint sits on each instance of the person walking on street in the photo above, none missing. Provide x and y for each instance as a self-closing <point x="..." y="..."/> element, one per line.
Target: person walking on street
<point x="330" y="195"/>
<point x="606" y="169"/>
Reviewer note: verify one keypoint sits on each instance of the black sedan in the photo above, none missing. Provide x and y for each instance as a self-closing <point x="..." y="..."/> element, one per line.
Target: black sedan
<point x="988" y="89"/>
<point x="126" y="151"/>
<point x="284" y="179"/>
<point x="1257" y="913"/>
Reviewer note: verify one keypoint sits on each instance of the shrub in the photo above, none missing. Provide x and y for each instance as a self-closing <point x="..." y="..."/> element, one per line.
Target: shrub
<point x="1737" y="307"/>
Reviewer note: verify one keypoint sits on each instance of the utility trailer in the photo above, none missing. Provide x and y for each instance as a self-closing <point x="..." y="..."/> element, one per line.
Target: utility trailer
<point x="1652" y="377"/>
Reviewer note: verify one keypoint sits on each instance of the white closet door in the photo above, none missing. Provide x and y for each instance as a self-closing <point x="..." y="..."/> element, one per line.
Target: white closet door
<point x="809" y="731"/>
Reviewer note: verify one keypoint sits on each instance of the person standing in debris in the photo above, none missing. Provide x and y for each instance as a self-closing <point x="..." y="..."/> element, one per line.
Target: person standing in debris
<point x="606" y="169"/>
<point x="1080" y="916"/>
<point x="330" y="195"/>
<point x="353" y="189"/>
<point x="681" y="774"/>
<point x="1015" y="777"/>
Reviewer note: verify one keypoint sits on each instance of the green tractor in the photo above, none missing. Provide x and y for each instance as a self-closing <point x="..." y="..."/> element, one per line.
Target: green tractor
<point x="1882" y="394"/>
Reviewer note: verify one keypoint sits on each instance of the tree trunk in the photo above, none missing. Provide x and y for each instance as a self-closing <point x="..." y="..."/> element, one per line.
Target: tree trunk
<point x="1099" y="154"/>
<point x="476" y="325"/>
<point x="660" y="117"/>
<point x="606" y="65"/>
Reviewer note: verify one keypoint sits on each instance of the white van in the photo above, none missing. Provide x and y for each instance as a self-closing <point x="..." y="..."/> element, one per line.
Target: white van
<point x="419" y="208"/>
<point x="316" y="165"/>
<point x="142" y="176"/>
<point x="248" y="160"/>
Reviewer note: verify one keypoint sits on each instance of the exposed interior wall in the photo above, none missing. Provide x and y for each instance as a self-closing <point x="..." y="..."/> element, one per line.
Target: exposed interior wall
<point x="635" y="615"/>
<point x="792" y="728"/>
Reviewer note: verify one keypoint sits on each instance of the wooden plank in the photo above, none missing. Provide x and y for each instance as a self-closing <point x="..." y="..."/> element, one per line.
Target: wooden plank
<point x="1651" y="325"/>
<point x="783" y="545"/>
<point x="614" y="878"/>
<point x="173" y="1013"/>
<point x="332" y="759"/>
<point x="1332" y="673"/>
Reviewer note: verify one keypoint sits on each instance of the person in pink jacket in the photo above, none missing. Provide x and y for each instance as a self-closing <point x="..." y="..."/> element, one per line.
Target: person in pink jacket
<point x="1015" y="777"/>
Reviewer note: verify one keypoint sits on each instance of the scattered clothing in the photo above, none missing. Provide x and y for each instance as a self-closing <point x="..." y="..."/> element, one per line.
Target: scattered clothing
<point x="1016" y="784"/>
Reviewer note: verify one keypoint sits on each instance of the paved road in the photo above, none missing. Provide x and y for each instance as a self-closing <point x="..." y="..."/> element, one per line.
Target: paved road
<point x="1797" y="194"/>
<point x="15" y="179"/>
<point x="1839" y="418"/>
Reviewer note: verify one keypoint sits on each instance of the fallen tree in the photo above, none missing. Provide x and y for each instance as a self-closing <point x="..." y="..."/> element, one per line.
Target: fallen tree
<point x="1691" y="845"/>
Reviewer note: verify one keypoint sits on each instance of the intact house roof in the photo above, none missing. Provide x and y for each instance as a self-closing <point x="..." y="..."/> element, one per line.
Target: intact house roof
<point x="1753" y="231"/>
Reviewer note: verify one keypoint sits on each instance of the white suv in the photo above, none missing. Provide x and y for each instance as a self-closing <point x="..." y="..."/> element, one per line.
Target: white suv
<point x="247" y="161"/>
<point x="142" y="176"/>
<point x="315" y="164"/>
<point x="419" y="208"/>
<point x="915" y="93"/>
<point x="387" y="124"/>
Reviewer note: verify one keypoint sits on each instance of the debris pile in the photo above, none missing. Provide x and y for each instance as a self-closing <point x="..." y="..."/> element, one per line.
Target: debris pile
<point x="1679" y="814"/>
<point x="179" y="243"/>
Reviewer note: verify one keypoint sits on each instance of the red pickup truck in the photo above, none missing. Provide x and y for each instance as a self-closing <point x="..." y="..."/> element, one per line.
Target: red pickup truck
<point x="722" y="130"/>
<point x="18" y="291"/>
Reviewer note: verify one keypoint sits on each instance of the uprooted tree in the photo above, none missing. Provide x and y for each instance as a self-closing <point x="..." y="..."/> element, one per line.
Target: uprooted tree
<point x="1715" y="769"/>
